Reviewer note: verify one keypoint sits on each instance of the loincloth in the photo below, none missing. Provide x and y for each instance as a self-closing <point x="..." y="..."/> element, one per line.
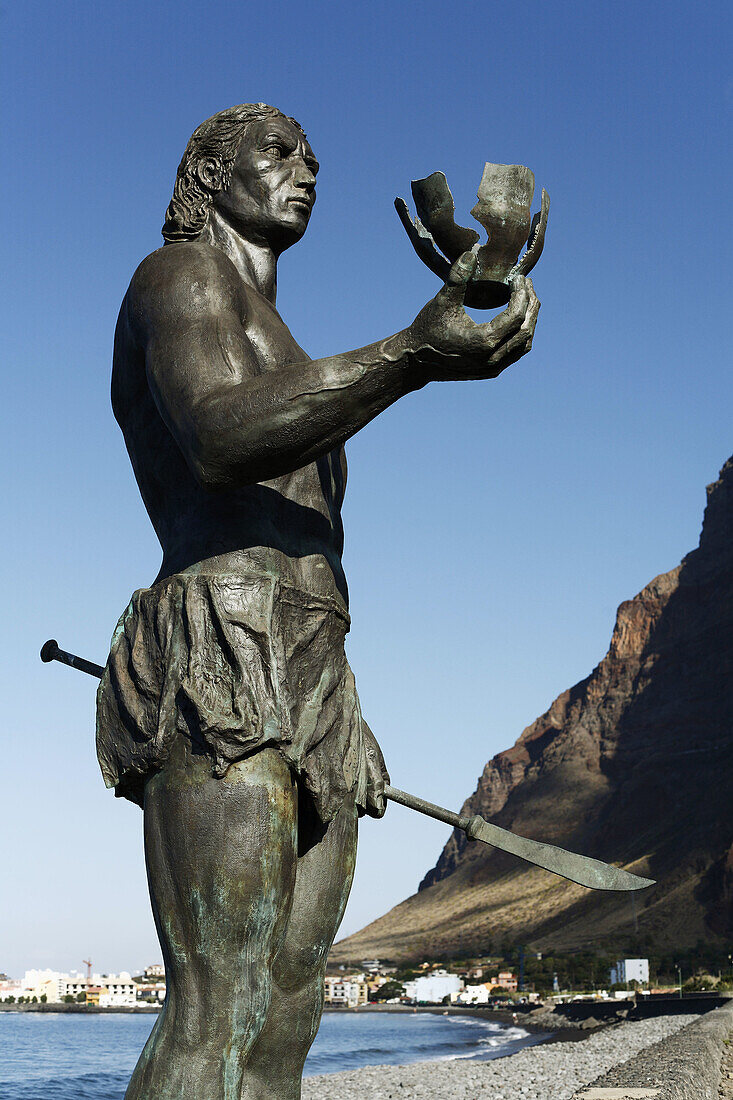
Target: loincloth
<point x="235" y="663"/>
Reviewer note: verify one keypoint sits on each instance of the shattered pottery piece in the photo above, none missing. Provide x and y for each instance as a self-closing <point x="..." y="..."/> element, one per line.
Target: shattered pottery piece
<point x="503" y="209"/>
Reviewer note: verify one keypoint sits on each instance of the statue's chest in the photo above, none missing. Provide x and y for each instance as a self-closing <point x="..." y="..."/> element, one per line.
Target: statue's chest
<point x="318" y="486"/>
<point x="271" y="339"/>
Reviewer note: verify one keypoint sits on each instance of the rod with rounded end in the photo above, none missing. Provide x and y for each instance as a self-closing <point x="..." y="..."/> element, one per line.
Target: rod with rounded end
<point x="50" y="651"/>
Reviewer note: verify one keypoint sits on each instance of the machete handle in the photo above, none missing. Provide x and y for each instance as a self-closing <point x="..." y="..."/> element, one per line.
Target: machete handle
<point x="50" y="651"/>
<point x="470" y="825"/>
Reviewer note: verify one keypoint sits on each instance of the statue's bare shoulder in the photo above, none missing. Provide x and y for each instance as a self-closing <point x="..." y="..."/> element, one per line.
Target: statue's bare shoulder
<point x="184" y="284"/>
<point x="182" y="333"/>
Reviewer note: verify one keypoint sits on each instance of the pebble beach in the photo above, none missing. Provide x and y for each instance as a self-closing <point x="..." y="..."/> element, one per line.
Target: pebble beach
<point x="551" y="1071"/>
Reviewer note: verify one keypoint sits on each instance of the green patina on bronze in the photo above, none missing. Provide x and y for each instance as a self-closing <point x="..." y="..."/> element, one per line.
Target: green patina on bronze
<point x="227" y="708"/>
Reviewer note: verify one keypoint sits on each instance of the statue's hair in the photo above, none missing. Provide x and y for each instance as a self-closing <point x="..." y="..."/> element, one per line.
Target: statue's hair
<point x="219" y="138"/>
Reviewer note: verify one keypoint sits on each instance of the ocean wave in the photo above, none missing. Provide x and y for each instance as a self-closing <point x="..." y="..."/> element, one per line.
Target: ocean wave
<point x="87" y="1086"/>
<point x="404" y="1039"/>
<point x="493" y="1049"/>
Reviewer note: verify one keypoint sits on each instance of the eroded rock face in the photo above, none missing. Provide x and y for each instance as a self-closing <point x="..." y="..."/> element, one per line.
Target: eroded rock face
<point x="633" y="765"/>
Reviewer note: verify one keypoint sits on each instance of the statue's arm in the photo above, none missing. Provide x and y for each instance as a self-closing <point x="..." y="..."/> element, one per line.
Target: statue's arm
<point x="238" y="426"/>
<point x="234" y="424"/>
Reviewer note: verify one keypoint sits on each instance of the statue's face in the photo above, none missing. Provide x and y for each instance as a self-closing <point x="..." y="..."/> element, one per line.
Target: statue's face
<point x="272" y="188"/>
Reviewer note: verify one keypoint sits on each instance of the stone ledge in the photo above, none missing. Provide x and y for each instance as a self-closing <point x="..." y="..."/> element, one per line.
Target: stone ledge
<point x="617" y="1094"/>
<point x="685" y="1066"/>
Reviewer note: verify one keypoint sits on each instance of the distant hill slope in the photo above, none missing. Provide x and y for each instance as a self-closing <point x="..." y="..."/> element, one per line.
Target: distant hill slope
<point x="633" y="765"/>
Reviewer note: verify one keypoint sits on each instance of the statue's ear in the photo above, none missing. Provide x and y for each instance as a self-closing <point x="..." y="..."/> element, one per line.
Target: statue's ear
<point x="210" y="174"/>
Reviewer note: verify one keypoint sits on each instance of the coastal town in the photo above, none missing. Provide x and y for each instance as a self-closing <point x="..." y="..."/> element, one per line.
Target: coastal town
<point x="85" y="988"/>
<point x="482" y="982"/>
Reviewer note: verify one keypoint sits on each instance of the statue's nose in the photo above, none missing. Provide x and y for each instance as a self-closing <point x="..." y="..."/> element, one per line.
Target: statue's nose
<point x="303" y="176"/>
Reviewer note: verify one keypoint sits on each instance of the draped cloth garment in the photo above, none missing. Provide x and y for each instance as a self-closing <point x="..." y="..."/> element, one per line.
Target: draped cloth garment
<point x="234" y="662"/>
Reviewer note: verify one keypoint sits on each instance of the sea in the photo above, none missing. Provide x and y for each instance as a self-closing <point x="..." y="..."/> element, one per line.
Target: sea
<point x="70" y="1056"/>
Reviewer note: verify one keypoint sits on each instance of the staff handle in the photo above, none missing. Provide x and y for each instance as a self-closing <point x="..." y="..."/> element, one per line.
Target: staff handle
<point x="394" y="794"/>
<point x="50" y="651"/>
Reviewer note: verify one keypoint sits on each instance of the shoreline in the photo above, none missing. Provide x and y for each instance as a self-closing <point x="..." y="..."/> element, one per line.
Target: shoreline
<point x="550" y="1030"/>
<point x="555" y="1032"/>
<point x="436" y="1010"/>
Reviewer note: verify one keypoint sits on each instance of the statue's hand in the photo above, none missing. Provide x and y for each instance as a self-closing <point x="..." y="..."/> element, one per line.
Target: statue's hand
<point x="377" y="774"/>
<point x="449" y="345"/>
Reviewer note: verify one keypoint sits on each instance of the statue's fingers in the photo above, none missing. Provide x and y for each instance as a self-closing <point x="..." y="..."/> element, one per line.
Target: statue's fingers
<point x="534" y="305"/>
<point x="519" y="300"/>
<point x="458" y="277"/>
<point x="462" y="270"/>
<point x="509" y="353"/>
<point x="518" y="344"/>
<point x="530" y="319"/>
<point x="512" y="349"/>
<point x="511" y="320"/>
<point x="377" y="803"/>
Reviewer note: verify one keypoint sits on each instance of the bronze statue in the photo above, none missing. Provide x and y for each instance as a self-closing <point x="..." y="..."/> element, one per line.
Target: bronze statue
<point x="227" y="708"/>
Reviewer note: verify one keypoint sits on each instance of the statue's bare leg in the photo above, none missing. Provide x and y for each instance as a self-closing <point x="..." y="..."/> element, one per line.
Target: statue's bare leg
<point x="221" y="857"/>
<point x="326" y="861"/>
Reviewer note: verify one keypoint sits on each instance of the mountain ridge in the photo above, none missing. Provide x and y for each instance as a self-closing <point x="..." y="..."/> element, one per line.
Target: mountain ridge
<point x="633" y="765"/>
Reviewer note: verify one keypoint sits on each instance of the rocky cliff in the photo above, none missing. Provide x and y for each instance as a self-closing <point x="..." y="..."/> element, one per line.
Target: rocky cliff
<point x="634" y="765"/>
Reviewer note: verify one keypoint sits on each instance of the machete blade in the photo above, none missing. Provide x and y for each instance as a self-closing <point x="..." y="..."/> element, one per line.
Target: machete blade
<point x="581" y="869"/>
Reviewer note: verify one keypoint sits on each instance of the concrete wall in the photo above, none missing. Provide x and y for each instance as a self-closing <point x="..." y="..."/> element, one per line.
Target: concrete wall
<point x="686" y="1066"/>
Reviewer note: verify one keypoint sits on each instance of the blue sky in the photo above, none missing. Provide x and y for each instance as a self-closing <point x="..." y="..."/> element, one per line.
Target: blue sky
<point x="492" y="528"/>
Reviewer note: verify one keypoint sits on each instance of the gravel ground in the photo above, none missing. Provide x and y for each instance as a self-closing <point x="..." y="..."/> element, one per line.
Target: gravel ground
<point x="552" y="1071"/>
<point x="688" y="1066"/>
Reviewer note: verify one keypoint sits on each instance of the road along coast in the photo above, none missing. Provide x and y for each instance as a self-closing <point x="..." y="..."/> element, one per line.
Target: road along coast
<point x="551" y="1071"/>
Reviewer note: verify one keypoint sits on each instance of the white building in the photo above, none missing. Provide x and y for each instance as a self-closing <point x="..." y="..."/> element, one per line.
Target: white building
<point x="630" y="970"/>
<point x="118" y="990"/>
<point x="150" y="991"/>
<point x="40" y="983"/>
<point x="347" y="992"/>
<point x="70" y="985"/>
<point x="107" y="990"/>
<point x="434" y="987"/>
<point x="475" y="995"/>
<point x="11" y="987"/>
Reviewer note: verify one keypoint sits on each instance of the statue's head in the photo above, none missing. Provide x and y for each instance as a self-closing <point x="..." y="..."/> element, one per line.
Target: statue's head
<point x="254" y="165"/>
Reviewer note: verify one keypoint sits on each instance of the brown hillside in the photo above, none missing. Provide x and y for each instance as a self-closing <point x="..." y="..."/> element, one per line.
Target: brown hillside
<point x="634" y="765"/>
